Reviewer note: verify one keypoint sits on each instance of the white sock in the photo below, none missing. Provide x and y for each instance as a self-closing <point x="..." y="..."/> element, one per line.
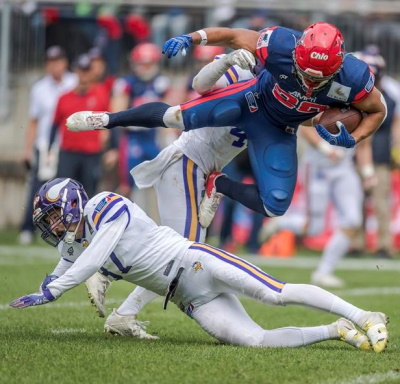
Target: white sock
<point x="105" y="119"/>
<point x="334" y="251"/>
<point x="295" y="337"/>
<point x="315" y="297"/>
<point x="136" y="301"/>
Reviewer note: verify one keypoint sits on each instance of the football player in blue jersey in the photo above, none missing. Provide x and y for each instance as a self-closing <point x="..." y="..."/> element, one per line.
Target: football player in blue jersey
<point x="301" y="75"/>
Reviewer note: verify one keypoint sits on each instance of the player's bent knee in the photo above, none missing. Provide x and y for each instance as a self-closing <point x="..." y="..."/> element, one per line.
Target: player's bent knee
<point x="277" y="202"/>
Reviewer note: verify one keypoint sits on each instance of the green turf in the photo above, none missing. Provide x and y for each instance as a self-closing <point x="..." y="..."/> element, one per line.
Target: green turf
<point x="63" y="342"/>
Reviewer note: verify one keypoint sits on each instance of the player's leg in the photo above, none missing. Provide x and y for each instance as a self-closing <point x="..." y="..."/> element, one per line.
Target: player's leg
<point x="216" y="109"/>
<point x="225" y="319"/>
<point x="234" y="275"/>
<point x="178" y="193"/>
<point x="347" y="195"/>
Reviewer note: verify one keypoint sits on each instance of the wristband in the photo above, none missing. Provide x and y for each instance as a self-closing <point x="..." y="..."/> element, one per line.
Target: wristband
<point x="367" y="171"/>
<point x="203" y="35"/>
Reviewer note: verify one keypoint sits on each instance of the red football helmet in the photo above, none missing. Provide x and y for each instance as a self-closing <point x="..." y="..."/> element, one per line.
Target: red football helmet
<point x="145" y="53"/>
<point x="318" y="56"/>
<point x="207" y="52"/>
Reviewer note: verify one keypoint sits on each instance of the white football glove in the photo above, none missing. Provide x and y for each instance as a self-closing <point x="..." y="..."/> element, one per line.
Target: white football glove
<point x="243" y="58"/>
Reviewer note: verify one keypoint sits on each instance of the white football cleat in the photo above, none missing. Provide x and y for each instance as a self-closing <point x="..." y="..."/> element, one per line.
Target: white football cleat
<point x="326" y="280"/>
<point x="97" y="286"/>
<point x="86" y="121"/>
<point x="350" y="335"/>
<point x="375" y="327"/>
<point x="117" y="324"/>
<point x="210" y="201"/>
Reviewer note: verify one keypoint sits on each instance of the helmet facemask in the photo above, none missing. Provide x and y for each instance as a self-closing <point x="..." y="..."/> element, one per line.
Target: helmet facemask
<point x="59" y="219"/>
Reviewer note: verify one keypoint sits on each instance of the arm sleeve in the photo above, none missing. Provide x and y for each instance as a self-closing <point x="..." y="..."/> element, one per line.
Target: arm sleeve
<point x="90" y="261"/>
<point x="62" y="267"/>
<point x="205" y="81"/>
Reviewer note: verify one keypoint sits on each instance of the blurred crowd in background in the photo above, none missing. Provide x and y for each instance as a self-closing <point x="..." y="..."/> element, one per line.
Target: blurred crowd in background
<point x="108" y="57"/>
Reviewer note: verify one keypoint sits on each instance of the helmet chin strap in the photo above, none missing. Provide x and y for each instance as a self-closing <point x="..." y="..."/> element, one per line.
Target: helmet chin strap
<point x="70" y="236"/>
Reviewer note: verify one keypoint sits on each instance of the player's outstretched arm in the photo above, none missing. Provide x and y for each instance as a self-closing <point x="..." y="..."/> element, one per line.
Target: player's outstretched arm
<point x="227" y="37"/>
<point x="206" y="80"/>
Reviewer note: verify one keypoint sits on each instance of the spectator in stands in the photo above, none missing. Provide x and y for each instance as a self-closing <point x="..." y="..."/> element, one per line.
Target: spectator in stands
<point x="43" y="100"/>
<point x="80" y="158"/>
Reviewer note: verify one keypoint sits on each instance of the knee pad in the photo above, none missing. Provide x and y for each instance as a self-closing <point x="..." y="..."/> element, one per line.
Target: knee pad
<point x="222" y="113"/>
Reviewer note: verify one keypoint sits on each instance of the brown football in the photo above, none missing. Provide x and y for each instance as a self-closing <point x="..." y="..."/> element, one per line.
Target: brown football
<point x="349" y="116"/>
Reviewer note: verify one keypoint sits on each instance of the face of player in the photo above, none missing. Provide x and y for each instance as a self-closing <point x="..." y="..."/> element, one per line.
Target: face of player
<point x="98" y="69"/>
<point x="56" y="68"/>
<point x="145" y="70"/>
<point x="54" y="222"/>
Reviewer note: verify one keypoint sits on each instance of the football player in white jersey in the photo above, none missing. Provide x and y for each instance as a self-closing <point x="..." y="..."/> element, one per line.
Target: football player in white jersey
<point x="178" y="175"/>
<point x="111" y="234"/>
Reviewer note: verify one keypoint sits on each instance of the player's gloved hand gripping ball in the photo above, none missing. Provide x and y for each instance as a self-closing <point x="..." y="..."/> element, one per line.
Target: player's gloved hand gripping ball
<point x="341" y="139"/>
<point x="172" y="46"/>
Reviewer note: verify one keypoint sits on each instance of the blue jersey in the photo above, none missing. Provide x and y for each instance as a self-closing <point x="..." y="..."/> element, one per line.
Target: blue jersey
<point x="282" y="95"/>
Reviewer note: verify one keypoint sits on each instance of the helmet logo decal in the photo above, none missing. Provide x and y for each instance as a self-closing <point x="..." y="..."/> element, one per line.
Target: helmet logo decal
<point x="319" y="56"/>
<point x="54" y="192"/>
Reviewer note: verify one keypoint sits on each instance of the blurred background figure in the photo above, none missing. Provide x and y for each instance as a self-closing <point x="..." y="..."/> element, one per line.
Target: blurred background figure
<point x="43" y="100"/>
<point x="144" y="84"/>
<point x="385" y="152"/>
<point x="173" y="22"/>
<point x="80" y="157"/>
<point x="330" y="177"/>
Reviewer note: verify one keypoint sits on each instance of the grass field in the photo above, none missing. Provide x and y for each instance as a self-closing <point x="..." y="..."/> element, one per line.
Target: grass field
<point x="63" y="342"/>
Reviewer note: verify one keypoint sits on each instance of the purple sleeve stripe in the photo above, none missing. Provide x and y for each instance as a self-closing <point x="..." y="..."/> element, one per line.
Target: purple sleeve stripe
<point x="229" y="77"/>
<point x="69" y="261"/>
<point x="118" y="213"/>
<point x="235" y="72"/>
<point x="106" y="210"/>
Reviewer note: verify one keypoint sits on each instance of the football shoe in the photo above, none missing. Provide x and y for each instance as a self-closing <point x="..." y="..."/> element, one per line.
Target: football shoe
<point x="375" y="328"/>
<point x="350" y="335"/>
<point x="97" y="286"/>
<point x="86" y="121"/>
<point x="210" y="201"/>
<point x="117" y="324"/>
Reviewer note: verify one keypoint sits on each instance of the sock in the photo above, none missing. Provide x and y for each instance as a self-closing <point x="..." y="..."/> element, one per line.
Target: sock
<point x="334" y="251"/>
<point x="295" y="337"/>
<point x="246" y="194"/>
<point x="136" y="301"/>
<point x="315" y="297"/>
<point x="147" y="115"/>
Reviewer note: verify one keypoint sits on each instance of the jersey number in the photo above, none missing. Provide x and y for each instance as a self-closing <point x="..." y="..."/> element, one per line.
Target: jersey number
<point x="241" y="141"/>
<point x="292" y="102"/>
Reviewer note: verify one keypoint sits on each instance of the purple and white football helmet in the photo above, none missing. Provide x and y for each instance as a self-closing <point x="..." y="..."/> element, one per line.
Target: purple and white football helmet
<point x="57" y="205"/>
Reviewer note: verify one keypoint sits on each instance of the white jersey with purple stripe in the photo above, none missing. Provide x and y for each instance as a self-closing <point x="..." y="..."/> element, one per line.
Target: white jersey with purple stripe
<point x="212" y="149"/>
<point x="283" y="97"/>
<point x="121" y="242"/>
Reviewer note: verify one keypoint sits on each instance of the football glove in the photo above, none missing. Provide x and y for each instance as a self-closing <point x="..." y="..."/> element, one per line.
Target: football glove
<point x="37" y="298"/>
<point x="47" y="280"/>
<point x="243" y="58"/>
<point x="341" y="139"/>
<point x="180" y="43"/>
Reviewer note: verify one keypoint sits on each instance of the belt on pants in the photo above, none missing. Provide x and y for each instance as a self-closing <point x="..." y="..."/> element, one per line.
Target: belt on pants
<point x="172" y="287"/>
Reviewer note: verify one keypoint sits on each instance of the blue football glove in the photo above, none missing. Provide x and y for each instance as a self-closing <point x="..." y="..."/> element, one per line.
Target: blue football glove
<point x="341" y="139"/>
<point x="172" y="46"/>
<point x="47" y="280"/>
<point x="33" y="299"/>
